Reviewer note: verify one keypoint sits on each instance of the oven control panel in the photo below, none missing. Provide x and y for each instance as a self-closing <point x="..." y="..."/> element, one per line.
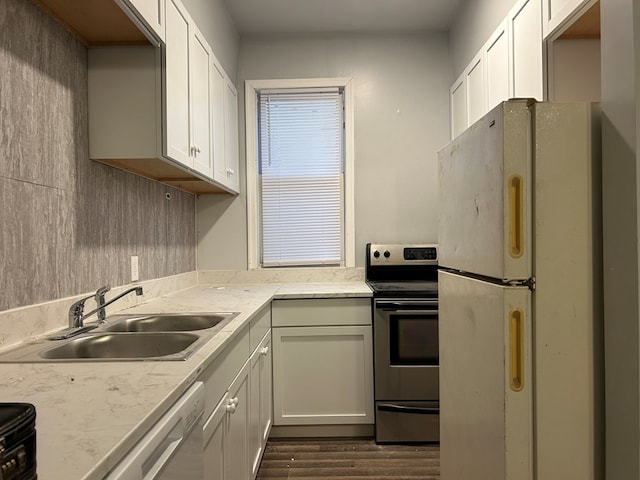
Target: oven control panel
<point x="395" y="254"/>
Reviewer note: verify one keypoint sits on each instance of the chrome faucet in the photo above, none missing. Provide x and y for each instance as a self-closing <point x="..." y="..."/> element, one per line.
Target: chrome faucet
<point x="76" y="312"/>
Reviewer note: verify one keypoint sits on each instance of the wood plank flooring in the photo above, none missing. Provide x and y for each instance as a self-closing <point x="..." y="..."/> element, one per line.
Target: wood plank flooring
<point x="348" y="459"/>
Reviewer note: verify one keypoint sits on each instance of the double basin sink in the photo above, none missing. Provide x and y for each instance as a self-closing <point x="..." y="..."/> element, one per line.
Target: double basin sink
<point x="128" y="338"/>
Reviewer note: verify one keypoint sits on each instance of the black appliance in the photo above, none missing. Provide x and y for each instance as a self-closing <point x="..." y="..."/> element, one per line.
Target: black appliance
<point x="17" y="441"/>
<point x="404" y="280"/>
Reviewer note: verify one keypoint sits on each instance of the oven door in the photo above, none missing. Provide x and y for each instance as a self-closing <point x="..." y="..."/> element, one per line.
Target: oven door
<point x="406" y="360"/>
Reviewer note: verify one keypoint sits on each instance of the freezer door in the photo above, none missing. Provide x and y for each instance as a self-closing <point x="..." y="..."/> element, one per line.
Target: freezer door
<point x="485" y="380"/>
<point x="484" y="195"/>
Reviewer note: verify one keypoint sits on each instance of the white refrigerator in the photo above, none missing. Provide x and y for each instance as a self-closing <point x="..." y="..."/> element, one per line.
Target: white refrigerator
<point x="520" y="296"/>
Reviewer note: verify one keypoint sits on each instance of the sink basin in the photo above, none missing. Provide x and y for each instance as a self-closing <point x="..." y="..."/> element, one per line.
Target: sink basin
<point x="115" y="346"/>
<point x="140" y="337"/>
<point x="166" y="322"/>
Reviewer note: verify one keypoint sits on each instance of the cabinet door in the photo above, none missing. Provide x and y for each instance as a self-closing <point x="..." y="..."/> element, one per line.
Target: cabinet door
<point x="322" y="375"/>
<point x="497" y="66"/>
<point x="476" y="89"/>
<point x="458" y="96"/>
<point x="266" y="389"/>
<point x="231" y="135"/>
<point x="261" y="404"/>
<point x="215" y="439"/>
<point x="217" y="92"/>
<point x="177" y="117"/>
<point x="151" y="13"/>
<point x="525" y="21"/>
<point x="200" y="103"/>
<point x="237" y="446"/>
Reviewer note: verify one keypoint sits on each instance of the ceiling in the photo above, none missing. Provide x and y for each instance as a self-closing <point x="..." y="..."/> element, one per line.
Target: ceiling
<point x="323" y="16"/>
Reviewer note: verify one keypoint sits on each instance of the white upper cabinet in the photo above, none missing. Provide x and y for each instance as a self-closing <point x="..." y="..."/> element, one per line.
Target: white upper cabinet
<point x="231" y="135"/>
<point x="187" y="93"/>
<point x="225" y="130"/>
<point x="149" y="14"/>
<point x="201" y="107"/>
<point x="509" y="64"/>
<point x="218" y="79"/>
<point x="178" y="141"/>
<point x="152" y="110"/>
<point x="525" y="22"/>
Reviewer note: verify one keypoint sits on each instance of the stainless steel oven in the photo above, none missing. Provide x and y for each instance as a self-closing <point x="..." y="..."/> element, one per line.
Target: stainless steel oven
<point x="406" y="352"/>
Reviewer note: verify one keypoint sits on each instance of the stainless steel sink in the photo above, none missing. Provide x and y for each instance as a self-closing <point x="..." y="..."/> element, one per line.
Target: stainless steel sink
<point x="112" y="346"/>
<point x="166" y="322"/>
<point x="142" y="337"/>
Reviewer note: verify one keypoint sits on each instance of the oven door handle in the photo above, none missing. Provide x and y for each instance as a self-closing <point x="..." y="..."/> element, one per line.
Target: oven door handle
<point x="416" y="311"/>
<point x="389" y="407"/>
<point x="406" y="304"/>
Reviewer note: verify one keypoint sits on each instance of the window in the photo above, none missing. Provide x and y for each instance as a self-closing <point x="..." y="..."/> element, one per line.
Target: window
<point x="299" y="172"/>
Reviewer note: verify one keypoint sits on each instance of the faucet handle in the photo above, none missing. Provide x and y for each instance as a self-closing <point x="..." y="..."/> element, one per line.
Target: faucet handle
<point x="100" y="301"/>
<point x="75" y="312"/>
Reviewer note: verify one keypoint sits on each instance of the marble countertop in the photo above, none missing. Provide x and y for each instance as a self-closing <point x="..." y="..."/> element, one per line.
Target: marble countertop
<point x="90" y="414"/>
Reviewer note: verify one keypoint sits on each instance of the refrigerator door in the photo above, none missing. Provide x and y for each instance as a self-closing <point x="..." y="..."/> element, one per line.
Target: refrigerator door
<point x="484" y="194"/>
<point x="568" y="342"/>
<point x="485" y="380"/>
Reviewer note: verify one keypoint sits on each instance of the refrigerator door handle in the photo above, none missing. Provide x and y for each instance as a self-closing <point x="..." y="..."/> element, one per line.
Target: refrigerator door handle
<point x="516" y="216"/>
<point x="516" y="349"/>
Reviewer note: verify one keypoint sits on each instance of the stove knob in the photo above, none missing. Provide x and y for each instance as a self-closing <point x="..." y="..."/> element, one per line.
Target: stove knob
<point x="376" y="254"/>
<point x="387" y="254"/>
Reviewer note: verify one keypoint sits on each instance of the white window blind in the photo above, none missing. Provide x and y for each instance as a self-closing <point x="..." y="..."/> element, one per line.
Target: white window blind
<point x="301" y="177"/>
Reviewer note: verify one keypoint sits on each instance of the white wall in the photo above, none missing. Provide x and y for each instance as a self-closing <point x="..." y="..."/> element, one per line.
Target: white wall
<point x="620" y="29"/>
<point x="474" y="25"/>
<point x="571" y="73"/>
<point x="401" y="120"/>
<point x="215" y="23"/>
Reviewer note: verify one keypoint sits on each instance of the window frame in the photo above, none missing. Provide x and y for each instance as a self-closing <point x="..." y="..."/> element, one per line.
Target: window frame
<point x="252" y="87"/>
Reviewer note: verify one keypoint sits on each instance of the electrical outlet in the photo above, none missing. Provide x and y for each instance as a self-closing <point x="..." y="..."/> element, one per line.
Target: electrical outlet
<point x="135" y="272"/>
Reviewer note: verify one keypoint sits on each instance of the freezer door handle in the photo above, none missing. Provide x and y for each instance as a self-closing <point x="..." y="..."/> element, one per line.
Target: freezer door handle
<point x="516" y="349"/>
<point x="388" y="407"/>
<point x="516" y="216"/>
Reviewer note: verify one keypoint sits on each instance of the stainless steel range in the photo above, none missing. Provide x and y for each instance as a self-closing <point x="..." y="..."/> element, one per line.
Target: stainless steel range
<point x="405" y="326"/>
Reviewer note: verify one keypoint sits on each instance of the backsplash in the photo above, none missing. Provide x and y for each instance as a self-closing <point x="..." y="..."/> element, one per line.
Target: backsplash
<point x="70" y="225"/>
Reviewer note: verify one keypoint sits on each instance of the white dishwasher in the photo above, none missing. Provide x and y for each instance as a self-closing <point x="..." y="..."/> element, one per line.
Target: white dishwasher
<point x="172" y="449"/>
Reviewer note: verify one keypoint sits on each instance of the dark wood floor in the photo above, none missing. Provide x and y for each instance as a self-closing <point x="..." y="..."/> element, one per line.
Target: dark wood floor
<point x="348" y="459"/>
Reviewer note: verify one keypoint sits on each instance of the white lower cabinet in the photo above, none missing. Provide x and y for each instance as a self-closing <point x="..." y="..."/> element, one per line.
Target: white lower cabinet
<point x="238" y="417"/>
<point x="238" y="411"/>
<point x="226" y="433"/>
<point x="322" y="371"/>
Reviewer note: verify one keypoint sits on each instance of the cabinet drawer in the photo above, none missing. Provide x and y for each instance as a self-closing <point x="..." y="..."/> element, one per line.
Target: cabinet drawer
<point x="218" y="376"/>
<point x="260" y="325"/>
<point x="321" y="311"/>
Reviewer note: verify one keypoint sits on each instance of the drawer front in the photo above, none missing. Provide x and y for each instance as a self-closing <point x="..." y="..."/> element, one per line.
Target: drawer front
<point x="321" y="311"/>
<point x="260" y="325"/>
